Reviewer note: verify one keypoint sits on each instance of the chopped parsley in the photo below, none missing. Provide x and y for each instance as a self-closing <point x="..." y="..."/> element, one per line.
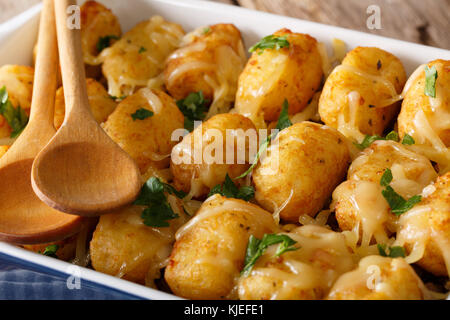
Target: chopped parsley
<point x="230" y="190"/>
<point x="431" y="76"/>
<point x="193" y="107"/>
<point x="153" y="196"/>
<point x="105" y="42"/>
<point x="115" y="98"/>
<point x="50" y="251"/>
<point x="283" y="123"/>
<point x="206" y="30"/>
<point x="15" y="117"/>
<point x="396" y="202"/>
<point x="142" y="114"/>
<point x="270" y="42"/>
<point x="391" y="252"/>
<point x="142" y="50"/>
<point x="256" y="248"/>
<point x="408" y="140"/>
<point x="368" y="140"/>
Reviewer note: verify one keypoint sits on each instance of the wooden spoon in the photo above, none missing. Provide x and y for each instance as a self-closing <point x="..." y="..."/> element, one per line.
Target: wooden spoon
<point x="24" y="219"/>
<point x="81" y="171"/>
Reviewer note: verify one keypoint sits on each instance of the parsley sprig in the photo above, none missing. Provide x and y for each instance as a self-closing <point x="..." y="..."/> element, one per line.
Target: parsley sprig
<point x="153" y="196"/>
<point x="230" y="190"/>
<point x="105" y="42"/>
<point x="398" y="204"/>
<point x="391" y="252"/>
<point x="283" y="123"/>
<point x="270" y="42"/>
<point x="142" y="114"/>
<point x="368" y="140"/>
<point x="193" y="108"/>
<point x="256" y="248"/>
<point x="50" y="251"/>
<point x="431" y="76"/>
<point x="16" y="117"/>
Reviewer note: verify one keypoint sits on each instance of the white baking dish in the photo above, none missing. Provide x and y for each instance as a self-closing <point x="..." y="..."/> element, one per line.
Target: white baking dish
<point x="18" y="37"/>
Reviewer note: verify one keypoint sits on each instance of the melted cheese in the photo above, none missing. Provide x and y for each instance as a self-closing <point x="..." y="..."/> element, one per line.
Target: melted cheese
<point x="152" y="99"/>
<point x="348" y="126"/>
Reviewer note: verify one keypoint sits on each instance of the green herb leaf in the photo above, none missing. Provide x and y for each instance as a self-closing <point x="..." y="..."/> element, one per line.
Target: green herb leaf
<point x="158" y="210"/>
<point x="368" y="140"/>
<point x="117" y="98"/>
<point x="193" y="108"/>
<point x="270" y="42"/>
<point x="256" y="248"/>
<point x="397" y="203"/>
<point x="15" y="117"/>
<point x="230" y="190"/>
<point x="142" y="50"/>
<point x="386" y="179"/>
<point x="105" y="42"/>
<point x="142" y="114"/>
<point x="284" y="121"/>
<point x="391" y="252"/>
<point x="206" y="30"/>
<point x="431" y="76"/>
<point x="408" y="140"/>
<point x="262" y="148"/>
<point x="393" y="136"/>
<point x="50" y="251"/>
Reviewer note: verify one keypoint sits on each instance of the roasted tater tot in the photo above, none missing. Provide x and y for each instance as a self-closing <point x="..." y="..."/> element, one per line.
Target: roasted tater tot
<point x="304" y="274"/>
<point x="362" y="95"/>
<point x="301" y="171"/>
<point x="3" y="150"/>
<point x="123" y="246"/>
<point x="139" y="55"/>
<point x="18" y="81"/>
<point x="210" y="60"/>
<point x="221" y="130"/>
<point x="210" y="250"/>
<point x="425" y="229"/>
<point x="379" y="278"/>
<point x="147" y="139"/>
<point x="359" y="200"/>
<point x="102" y="105"/>
<point x="271" y="76"/>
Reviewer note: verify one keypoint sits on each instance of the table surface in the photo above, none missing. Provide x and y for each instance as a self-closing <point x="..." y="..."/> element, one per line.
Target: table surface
<point x="420" y="21"/>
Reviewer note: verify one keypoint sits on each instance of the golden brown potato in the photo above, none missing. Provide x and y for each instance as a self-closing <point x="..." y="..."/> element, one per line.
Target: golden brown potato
<point x="123" y="246"/>
<point x="359" y="200"/>
<point x="437" y="111"/>
<point x="358" y="96"/>
<point x="3" y="150"/>
<point x="66" y="248"/>
<point x="101" y="103"/>
<point x="379" y="278"/>
<point x="210" y="250"/>
<point x="97" y="22"/>
<point x="303" y="169"/>
<point x="18" y="81"/>
<point x="210" y="60"/>
<point x="304" y="274"/>
<point x="425" y="229"/>
<point x="201" y="176"/>
<point x="293" y="73"/>
<point x="136" y="58"/>
<point x="147" y="141"/>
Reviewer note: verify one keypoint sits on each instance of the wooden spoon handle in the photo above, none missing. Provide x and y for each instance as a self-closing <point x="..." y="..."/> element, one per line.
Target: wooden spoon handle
<point x="71" y="57"/>
<point x="44" y="87"/>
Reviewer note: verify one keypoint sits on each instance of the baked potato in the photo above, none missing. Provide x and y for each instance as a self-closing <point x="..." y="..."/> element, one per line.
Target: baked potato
<point x="210" y="60"/>
<point x="379" y="278"/>
<point x="139" y="55"/>
<point x="359" y="203"/>
<point x="226" y="142"/>
<point x="18" y="81"/>
<point x="148" y="140"/>
<point x="362" y="95"/>
<point x="304" y="274"/>
<point x="273" y="75"/>
<point x="425" y="230"/>
<point x="301" y="171"/>
<point x="209" y="253"/>
<point x="102" y="105"/>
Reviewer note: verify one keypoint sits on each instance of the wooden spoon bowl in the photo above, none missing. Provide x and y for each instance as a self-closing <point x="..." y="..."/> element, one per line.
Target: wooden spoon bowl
<point x="81" y="171"/>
